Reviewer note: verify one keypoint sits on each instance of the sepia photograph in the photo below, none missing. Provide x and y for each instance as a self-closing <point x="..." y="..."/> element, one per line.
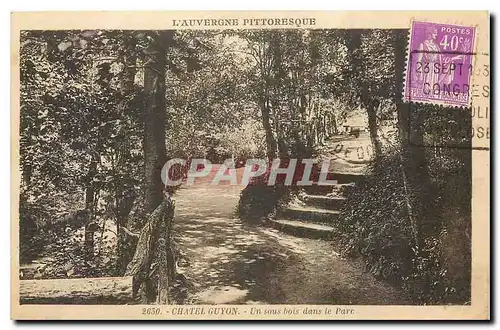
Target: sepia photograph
<point x="218" y="164"/>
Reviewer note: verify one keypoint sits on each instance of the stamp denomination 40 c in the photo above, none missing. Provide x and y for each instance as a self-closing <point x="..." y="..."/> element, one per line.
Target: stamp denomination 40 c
<point x="440" y="61"/>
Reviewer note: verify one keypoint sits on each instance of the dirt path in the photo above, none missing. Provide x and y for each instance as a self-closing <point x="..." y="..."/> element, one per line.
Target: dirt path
<point x="230" y="262"/>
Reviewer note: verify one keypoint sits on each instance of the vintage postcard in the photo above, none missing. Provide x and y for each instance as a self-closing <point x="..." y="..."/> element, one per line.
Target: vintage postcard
<point x="250" y="165"/>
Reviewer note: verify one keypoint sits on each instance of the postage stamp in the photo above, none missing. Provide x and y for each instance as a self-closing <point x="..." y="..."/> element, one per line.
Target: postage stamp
<point x="219" y="165"/>
<point x="439" y="67"/>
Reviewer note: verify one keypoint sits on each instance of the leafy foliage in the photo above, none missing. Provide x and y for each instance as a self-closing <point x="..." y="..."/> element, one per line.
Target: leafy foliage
<point x="376" y="224"/>
<point x="241" y="94"/>
<point x="259" y="201"/>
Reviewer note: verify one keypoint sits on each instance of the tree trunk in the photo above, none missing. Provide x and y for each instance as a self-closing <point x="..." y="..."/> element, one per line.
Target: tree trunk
<point x="165" y="255"/>
<point x="90" y="186"/>
<point x="282" y="149"/>
<point x="270" y="141"/>
<point x="334" y="128"/>
<point x="326" y="135"/>
<point x="154" y="159"/>
<point x="155" y="119"/>
<point x="330" y="125"/>
<point x="154" y="241"/>
<point x="129" y="63"/>
<point x="371" y="110"/>
<point x="90" y="193"/>
<point x="319" y="131"/>
<point x="276" y="83"/>
<point x="125" y="242"/>
<point x="368" y="101"/>
<point x="27" y="168"/>
<point x="122" y="194"/>
<point x="403" y="109"/>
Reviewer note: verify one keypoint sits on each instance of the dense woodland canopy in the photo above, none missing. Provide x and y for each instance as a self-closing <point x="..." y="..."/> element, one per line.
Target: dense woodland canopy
<point x="101" y="112"/>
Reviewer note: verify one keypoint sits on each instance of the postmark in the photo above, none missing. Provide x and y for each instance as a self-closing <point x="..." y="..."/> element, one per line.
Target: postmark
<point x="468" y="127"/>
<point x="439" y="67"/>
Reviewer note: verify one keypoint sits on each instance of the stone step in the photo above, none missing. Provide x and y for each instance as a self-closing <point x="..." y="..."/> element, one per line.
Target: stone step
<point x="308" y="213"/>
<point x="346" y="177"/>
<point x="325" y="190"/>
<point x="302" y="229"/>
<point x="358" y="161"/>
<point x="331" y="203"/>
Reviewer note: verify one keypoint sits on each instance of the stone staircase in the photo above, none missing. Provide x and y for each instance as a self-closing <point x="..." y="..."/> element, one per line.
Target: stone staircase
<point x="316" y="209"/>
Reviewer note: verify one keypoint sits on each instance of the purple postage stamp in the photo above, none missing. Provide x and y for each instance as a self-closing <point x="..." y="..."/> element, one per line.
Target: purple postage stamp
<point x="439" y="67"/>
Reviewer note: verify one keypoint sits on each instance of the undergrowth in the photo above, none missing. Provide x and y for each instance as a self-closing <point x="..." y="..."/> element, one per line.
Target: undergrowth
<point x="376" y="225"/>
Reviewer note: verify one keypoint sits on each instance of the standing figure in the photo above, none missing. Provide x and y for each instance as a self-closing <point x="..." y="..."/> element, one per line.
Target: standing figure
<point x="434" y="67"/>
<point x="429" y="54"/>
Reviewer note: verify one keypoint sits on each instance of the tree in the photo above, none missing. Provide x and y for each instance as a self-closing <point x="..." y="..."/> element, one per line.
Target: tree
<point x="155" y="118"/>
<point x="370" y="74"/>
<point x="123" y="178"/>
<point x="259" y="48"/>
<point x="151" y="243"/>
<point x="289" y="78"/>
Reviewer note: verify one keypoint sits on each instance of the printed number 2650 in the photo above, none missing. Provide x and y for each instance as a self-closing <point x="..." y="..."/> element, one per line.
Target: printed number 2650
<point x="151" y="311"/>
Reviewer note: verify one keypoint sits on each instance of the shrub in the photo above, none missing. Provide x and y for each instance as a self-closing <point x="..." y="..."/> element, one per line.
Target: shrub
<point x="258" y="200"/>
<point x="375" y="225"/>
